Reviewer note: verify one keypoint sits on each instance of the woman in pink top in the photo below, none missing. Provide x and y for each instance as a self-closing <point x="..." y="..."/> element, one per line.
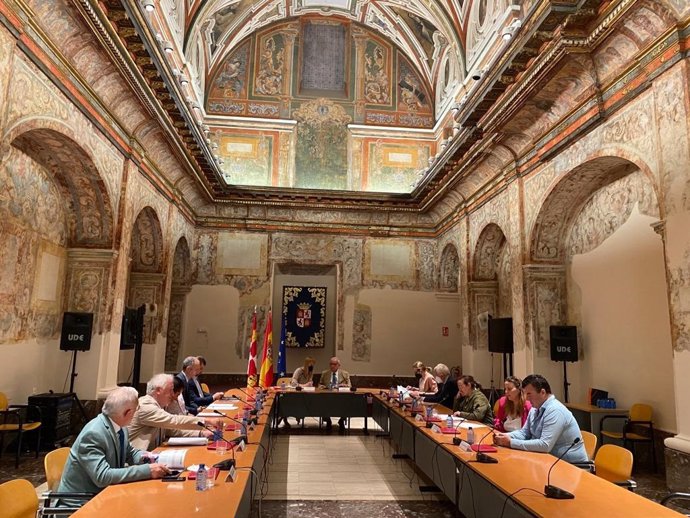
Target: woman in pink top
<point x="427" y="383"/>
<point x="512" y="408"/>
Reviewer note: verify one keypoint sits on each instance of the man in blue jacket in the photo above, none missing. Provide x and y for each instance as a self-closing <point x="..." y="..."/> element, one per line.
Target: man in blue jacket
<point x="102" y="456"/>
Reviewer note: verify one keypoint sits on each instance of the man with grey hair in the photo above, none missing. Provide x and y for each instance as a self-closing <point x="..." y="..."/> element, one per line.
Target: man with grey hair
<point x="193" y="398"/>
<point x="151" y="424"/>
<point x="447" y="387"/>
<point x="335" y="377"/>
<point x="102" y="455"/>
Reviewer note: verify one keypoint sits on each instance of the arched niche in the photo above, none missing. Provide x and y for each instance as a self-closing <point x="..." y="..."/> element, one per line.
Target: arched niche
<point x="449" y="270"/>
<point x="57" y="231"/>
<point x="146" y="277"/>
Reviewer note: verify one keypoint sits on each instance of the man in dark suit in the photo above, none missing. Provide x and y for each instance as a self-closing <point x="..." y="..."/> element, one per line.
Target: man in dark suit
<point x="334" y="377"/>
<point x="197" y="394"/>
<point x="447" y="387"/>
<point x="102" y="455"/>
<point x="193" y="396"/>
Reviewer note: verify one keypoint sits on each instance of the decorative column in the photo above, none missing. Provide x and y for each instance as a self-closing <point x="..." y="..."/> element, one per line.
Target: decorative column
<point x="178" y="296"/>
<point x="360" y="42"/>
<point x="88" y="291"/>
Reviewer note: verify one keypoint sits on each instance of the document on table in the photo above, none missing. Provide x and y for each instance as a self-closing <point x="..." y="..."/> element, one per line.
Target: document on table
<point x="187" y="441"/>
<point x="403" y="390"/>
<point x="173" y="459"/>
<point x="207" y="414"/>
<point x="308" y="389"/>
<point x="459" y="420"/>
<point x="222" y="406"/>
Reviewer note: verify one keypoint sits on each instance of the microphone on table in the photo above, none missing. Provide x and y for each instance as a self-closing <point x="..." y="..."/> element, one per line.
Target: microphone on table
<point x="553" y="491"/>
<point x="482" y="457"/>
<point x="457" y="440"/>
<point x="225" y="464"/>
<point x="253" y="411"/>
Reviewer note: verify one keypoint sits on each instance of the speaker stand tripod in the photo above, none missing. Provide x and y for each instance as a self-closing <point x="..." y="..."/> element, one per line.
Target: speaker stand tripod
<point x="493" y="391"/>
<point x="73" y="375"/>
<point x="565" y="381"/>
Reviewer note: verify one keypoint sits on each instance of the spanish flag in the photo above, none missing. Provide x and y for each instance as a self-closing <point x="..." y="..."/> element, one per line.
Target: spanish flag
<point x="266" y="376"/>
<point x="253" y="345"/>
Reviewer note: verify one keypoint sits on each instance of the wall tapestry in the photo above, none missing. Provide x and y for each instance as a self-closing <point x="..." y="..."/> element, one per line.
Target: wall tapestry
<point x="304" y="316"/>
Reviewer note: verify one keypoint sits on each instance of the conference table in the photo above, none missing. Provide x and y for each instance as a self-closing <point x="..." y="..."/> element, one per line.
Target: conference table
<point x="512" y="488"/>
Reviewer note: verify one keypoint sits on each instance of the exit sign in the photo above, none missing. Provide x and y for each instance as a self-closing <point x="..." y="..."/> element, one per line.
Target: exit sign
<point x="444" y="331"/>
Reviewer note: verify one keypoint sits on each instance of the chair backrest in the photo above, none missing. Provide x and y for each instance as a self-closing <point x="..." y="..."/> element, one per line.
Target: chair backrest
<point x="281" y="380"/>
<point x="205" y="388"/>
<point x="4" y="403"/>
<point x="590" y="441"/>
<point x="613" y="463"/>
<point x="18" y="499"/>
<point x="640" y="412"/>
<point x="54" y="464"/>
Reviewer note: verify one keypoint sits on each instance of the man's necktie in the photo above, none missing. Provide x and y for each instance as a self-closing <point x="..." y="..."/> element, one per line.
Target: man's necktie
<point x="121" y="436"/>
<point x="334" y="380"/>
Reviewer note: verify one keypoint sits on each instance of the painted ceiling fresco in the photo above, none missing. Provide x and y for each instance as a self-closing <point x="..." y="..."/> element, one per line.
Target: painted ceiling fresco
<point x="323" y="76"/>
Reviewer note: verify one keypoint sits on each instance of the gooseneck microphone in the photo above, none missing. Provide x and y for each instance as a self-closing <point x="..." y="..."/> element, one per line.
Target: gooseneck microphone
<point x="457" y="440"/>
<point x="482" y="457"/>
<point x="553" y="491"/>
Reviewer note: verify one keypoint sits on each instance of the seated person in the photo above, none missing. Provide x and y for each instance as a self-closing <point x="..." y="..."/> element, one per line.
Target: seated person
<point x="151" y="424"/>
<point x="426" y="382"/>
<point x="304" y="375"/>
<point x="513" y="408"/>
<point x="177" y="405"/>
<point x="471" y="403"/>
<point x="447" y="388"/>
<point x="191" y="367"/>
<point x="550" y="427"/>
<point x="334" y="377"/>
<point x="102" y="456"/>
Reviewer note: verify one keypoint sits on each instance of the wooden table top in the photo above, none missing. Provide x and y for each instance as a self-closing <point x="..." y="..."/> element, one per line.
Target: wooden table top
<point x="518" y="469"/>
<point x="156" y="498"/>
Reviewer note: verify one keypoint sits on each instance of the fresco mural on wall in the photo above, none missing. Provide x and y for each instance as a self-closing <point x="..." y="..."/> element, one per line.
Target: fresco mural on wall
<point x="247" y="158"/>
<point x="393" y="165"/>
<point x="321" y="154"/>
<point x="376" y="74"/>
<point x="270" y="65"/>
<point x="421" y="28"/>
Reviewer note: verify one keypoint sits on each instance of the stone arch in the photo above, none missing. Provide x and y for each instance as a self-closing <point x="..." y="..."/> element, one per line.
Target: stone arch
<point x="552" y="225"/>
<point x="89" y="210"/>
<point x="449" y="270"/>
<point x="549" y="250"/>
<point x="181" y="285"/>
<point x="146" y="275"/>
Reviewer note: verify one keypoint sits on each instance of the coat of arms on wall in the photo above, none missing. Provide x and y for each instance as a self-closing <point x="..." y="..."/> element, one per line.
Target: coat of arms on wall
<point x="304" y="316"/>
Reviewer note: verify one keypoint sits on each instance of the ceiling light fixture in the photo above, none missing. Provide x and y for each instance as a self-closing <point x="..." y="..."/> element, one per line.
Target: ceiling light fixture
<point x="148" y="5"/>
<point x="509" y="32"/>
<point x="183" y="79"/>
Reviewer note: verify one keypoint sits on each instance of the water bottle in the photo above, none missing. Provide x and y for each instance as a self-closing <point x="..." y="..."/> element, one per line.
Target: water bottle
<point x="401" y="398"/>
<point x="470" y="436"/>
<point x="449" y="421"/>
<point x="244" y="426"/>
<point x="218" y="432"/>
<point x="201" y="477"/>
<point x="391" y="393"/>
<point x="282" y="386"/>
<point x="245" y="416"/>
<point x="429" y="412"/>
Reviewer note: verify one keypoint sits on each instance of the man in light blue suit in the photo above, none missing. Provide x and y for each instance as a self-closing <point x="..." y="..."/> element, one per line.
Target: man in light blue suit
<point x="102" y="455"/>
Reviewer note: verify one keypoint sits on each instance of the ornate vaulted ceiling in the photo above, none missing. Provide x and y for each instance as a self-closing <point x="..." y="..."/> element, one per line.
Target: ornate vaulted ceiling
<point x="474" y="90"/>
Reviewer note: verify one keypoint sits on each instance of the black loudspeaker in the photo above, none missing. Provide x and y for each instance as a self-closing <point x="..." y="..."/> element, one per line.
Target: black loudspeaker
<point x="76" y="331"/>
<point x="128" y="334"/>
<point x="501" y="335"/>
<point x="563" y="343"/>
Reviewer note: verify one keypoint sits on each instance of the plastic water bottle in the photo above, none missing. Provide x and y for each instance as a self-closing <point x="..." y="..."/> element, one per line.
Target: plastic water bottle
<point x="244" y="426"/>
<point x="401" y="398"/>
<point x="245" y="416"/>
<point x="201" y="477"/>
<point x="282" y="386"/>
<point x="429" y="412"/>
<point x="470" y="436"/>
<point x="449" y="421"/>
